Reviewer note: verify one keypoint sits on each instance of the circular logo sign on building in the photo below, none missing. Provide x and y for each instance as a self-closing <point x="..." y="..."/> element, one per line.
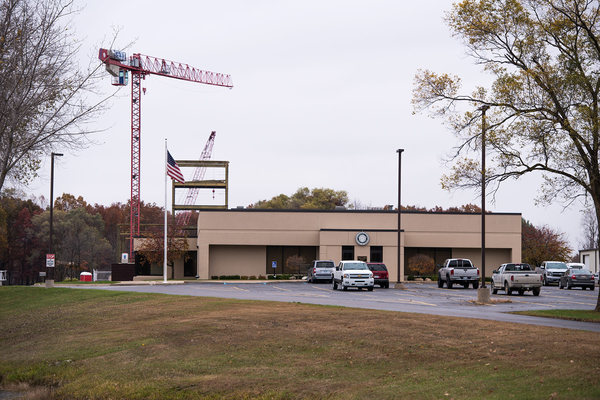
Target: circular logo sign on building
<point x="362" y="238"/>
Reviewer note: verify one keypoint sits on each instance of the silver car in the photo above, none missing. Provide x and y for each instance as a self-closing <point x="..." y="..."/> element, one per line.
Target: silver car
<point x="321" y="270"/>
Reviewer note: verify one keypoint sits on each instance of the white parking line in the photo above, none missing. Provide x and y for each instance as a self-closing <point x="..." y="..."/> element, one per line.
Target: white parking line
<point x="316" y="287"/>
<point x="277" y="287"/>
<point x="532" y="302"/>
<point x="403" y="301"/>
<point x="408" y="301"/>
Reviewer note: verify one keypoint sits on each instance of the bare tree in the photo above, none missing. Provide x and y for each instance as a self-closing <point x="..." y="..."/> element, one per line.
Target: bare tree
<point x="589" y="223"/>
<point x="544" y="103"/>
<point x="45" y="98"/>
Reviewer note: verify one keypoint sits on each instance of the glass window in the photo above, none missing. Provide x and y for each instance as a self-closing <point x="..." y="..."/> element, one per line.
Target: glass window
<point x="347" y="253"/>
<point x="290" y="259"/>
<point x="325" y="264"/>
<point x="556" y="265"/>
<point x="578" y="271"/>
<point x="356" y="265"/>
<point x="462" y="264"/>
<point x="376" y="254"/>
<point x="424" y="261"/>
<point x="377" y="267"/>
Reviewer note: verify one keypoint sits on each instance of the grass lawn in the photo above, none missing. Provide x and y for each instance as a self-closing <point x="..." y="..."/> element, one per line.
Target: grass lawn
<point x="84" y="282"/>
<point x="575" y="315"/>
<point x="93" y="344"/>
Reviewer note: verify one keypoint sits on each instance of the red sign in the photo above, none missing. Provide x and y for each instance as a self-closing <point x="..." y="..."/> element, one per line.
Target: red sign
<point x="49" y="260"/>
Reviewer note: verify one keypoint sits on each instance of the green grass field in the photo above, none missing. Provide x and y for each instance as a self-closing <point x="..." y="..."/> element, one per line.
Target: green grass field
<point x="92" y="344"/>
<point x="574" y="315"/>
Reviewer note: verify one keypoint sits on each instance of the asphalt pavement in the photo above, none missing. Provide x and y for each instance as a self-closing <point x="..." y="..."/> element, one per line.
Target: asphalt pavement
<point x="416" y="297"/>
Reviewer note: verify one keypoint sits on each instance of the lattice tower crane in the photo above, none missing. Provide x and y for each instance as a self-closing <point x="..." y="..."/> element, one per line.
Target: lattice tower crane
<point x="119" y="66"/>
<point x="183" y="218"/>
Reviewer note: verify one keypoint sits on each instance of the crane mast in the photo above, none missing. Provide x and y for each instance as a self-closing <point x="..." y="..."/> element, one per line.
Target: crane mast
<point x="138" y="65"/>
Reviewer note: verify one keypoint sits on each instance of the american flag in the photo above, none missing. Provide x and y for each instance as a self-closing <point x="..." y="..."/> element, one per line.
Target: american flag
<point x="173" y="169"/>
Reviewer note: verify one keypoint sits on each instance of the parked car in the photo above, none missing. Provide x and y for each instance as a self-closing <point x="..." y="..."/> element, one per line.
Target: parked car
<point x="576" y="265"/>
<point x="321" y="270"/>
<point x="552" y="271"/>
<point x="380" y="274"/>
<point x="458" y="270"/>
<point x="353" y="274"/>
<point x="516" y="277"/>
<point x="575" y="277"/>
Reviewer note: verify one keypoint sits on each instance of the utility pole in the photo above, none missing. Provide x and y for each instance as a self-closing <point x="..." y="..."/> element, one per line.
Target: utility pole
<point x="483" y="295"/>
<point x="399" y="151"/>
<point x="50" y="271"/>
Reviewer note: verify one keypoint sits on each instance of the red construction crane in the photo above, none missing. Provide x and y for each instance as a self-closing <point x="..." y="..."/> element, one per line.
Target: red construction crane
<point x="192" y="194"/>
<point x="119" y="66"/>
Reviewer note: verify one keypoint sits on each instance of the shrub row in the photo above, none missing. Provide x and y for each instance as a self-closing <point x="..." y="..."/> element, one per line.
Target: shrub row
<point x="253" y="277"/>
<point x="238" y="277"/>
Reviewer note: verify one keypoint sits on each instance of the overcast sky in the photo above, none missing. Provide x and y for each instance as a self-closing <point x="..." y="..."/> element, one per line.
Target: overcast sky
<point x="321" y="98"/>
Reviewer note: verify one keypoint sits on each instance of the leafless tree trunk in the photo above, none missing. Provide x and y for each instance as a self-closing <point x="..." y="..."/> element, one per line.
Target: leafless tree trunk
<point x="46" y="100"/>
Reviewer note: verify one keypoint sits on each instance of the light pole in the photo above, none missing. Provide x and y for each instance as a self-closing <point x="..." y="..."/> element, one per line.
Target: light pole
<point x="50" y="272"/>
<point x="483" y="110"/>
<point x="399" y="151"/>
<point x="483" y="295"/>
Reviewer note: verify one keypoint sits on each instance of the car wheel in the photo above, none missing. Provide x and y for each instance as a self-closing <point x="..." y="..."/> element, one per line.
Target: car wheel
<point x="440" y="282"/>
<point x="449" y="282"/>
<point x="545" y="281"/>
<point x="560" y="284"/>
<point x="592" y="288"/>
<point x="370" y="288"/>
<point x="493" y="289"/>
<point x="476" y="285"/>
<point x="344" y="287"/>
<point x="521" y="291"/>
<point x="335" y="285"/>
<point x="568" y="285"/>
<point x="507" y="290"/>
<point x="536" y="291"/>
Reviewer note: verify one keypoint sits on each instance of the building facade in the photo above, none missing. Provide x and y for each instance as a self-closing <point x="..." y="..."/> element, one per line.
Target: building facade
<point x="591" y="259"/>
<point x="253" y="242"/>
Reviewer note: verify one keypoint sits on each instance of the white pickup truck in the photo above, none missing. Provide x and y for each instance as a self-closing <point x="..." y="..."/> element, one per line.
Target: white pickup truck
<point x="353" y="274"/>
<point x="458" y="270"/>
<point x="516" y="277"/>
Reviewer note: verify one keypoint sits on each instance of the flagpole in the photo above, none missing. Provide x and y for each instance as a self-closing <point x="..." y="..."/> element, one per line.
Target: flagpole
<point x="165" y="239"/>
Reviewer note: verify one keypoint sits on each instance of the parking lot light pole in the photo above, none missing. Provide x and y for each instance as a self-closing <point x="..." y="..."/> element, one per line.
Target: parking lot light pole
<point x="399" y="151"/>
<point x="50" y="271"/>
<point x="483" y="294"/>
<point x="483" y="110"/>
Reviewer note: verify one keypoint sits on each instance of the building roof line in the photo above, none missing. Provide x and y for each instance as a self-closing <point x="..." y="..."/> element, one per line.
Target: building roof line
<point x="272" y="210"/>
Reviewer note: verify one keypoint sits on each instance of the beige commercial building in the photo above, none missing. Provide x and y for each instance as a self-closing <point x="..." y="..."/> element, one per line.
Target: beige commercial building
<point x="252" y="242"/>
<point x="591" y="259"/>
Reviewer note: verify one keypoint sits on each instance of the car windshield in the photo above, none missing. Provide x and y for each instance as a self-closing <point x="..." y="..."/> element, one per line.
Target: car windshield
<point x="556" y="265"/>
<point x="358" y="265"/>
<point x="325" y="264"/>
<point x="377" y="267"/>
<point x="580" y="271"/>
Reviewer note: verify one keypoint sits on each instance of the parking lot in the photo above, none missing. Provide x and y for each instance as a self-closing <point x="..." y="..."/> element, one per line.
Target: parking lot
<point x="424" y="298"/>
